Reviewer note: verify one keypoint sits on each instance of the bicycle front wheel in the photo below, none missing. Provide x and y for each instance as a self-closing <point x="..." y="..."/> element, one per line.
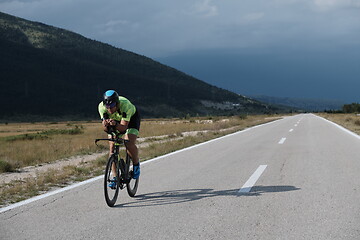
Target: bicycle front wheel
<point x="111" y="192"/>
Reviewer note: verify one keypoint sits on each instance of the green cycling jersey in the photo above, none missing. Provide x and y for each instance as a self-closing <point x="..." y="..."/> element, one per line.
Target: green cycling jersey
<point x="125" y="112"/>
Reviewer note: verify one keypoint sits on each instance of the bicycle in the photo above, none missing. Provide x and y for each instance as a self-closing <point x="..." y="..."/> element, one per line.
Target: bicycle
<point x="124" y="172"/>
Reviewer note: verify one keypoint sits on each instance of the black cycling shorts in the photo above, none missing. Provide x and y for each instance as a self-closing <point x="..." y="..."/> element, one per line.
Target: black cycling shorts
<point x="135" y="121"/>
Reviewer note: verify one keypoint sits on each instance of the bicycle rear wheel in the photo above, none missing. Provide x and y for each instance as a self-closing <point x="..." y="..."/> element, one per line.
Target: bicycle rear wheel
<point x="111" y="194"/>
<point x="132" y="185"/>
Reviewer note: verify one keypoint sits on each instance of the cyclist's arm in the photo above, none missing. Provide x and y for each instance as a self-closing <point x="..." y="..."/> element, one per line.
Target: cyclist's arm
<point x="121" y="127"/>
<point x="105" y="124"/>
<point x="104" y="117"/>
<point x="129" y="110"/>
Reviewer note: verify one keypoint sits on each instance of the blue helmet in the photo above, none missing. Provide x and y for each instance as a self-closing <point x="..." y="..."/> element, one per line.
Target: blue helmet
<point x="111" y="98"/>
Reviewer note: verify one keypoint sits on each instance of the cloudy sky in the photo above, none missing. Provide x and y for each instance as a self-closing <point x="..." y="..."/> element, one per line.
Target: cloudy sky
<point x="170" y="30"/>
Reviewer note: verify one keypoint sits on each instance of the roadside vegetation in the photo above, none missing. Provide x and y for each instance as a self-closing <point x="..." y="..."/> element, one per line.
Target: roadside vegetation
<point x="350" y="121"/>
<point x="351" y="108"/>
<point x="39" y="143"/>
<point x="32" y="144"/>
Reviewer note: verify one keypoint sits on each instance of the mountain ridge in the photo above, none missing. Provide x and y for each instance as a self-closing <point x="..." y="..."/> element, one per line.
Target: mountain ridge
<point x="54" y="72"/>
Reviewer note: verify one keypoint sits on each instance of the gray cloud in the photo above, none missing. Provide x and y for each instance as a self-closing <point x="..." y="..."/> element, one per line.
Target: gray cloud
<point x="160" y="27"/>
<point x="275" y="47"/>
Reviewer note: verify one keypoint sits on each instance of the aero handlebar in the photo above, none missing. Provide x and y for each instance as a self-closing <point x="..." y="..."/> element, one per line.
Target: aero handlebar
<point x="117" y="140"/>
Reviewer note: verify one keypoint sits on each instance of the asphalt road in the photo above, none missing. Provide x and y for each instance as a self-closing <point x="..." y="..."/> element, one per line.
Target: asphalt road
<point x="297" y="178"/>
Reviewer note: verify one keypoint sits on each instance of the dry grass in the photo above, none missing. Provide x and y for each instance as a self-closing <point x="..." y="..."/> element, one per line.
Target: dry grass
<point x="32" y="144"/>
<point x="20" y="190"/>
<point x="349" y="121"/>
<point x="165" y="127"/>
<point x="80" y="143"/>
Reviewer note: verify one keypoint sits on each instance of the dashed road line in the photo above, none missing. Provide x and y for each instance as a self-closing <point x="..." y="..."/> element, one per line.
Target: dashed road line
<point x="253" y="179"/>
<point x="282" y="141"/>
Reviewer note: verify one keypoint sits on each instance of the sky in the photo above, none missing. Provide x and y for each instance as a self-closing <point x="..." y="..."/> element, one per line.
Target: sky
<point x="233" y="44"/>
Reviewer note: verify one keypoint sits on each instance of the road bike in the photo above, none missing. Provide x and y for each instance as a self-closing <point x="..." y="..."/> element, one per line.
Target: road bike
<point x="124" y="172"/>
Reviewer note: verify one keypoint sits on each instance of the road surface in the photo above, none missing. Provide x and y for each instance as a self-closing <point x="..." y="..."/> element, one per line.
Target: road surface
<point x="296" y="178"/>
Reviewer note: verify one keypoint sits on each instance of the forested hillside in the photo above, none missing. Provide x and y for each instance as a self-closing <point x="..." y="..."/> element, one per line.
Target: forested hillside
<point x="47" y="71"/>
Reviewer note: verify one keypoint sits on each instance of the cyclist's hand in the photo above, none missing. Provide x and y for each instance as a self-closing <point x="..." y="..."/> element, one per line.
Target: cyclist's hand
<point x="112" y="122"/>
<point x="105" y="122"/>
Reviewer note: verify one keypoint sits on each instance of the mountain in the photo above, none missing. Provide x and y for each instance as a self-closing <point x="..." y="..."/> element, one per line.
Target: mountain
<point x="302" y="104"/>
<point x="48" y="71"/>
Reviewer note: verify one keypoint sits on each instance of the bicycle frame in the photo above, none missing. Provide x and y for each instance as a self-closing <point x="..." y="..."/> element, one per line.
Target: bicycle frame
<point x="123" y="173"/>
<point x="123" y="166"/>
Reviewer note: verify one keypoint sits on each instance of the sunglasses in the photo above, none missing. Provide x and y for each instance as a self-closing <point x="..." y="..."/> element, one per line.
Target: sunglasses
<point x="111" y="105"/>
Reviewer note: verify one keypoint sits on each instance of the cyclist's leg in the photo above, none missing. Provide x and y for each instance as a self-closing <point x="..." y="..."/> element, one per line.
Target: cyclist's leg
<point x="131" y="134"/>
<point x="111" y="151"/>
<point x="111" y="146"/>
<point x="131" y="147"/>
<point x="132" y="150"/>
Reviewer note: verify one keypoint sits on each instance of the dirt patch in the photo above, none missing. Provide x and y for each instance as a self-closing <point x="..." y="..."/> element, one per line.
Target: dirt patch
<point x="33" y="171"/>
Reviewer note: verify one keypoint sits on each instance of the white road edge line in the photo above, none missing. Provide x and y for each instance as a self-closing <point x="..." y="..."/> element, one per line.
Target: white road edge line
<point x="282" y="141"/>
<point x="30" y="200"/>
<point x="253" y="179"/>
<point x="342" y="128"/>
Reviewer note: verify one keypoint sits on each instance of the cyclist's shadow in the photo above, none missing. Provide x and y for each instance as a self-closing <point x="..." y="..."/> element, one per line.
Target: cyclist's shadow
<point x="188" y="195"/>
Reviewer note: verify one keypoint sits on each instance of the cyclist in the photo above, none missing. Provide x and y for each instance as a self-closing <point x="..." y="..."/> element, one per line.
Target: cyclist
<point x="120" y="115"/>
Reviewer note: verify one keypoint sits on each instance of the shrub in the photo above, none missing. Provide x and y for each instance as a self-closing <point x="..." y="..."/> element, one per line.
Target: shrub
<point x="6" y="166"/>
<point x="351" y="108"/>
<point x="242" y="116"/>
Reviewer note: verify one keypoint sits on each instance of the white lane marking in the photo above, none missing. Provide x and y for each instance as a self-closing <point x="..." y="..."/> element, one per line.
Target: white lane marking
<point x="291" y="130"/>
<point x="4" y="209"/>
<point x="252" y="180"/>
<point x="282" y="141"/>
<point x="295" y="125"/>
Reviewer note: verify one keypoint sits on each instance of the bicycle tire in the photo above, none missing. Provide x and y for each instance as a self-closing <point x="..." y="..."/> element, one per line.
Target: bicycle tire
<point x="110" y="194"/>
<point x="133" y="184"/>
